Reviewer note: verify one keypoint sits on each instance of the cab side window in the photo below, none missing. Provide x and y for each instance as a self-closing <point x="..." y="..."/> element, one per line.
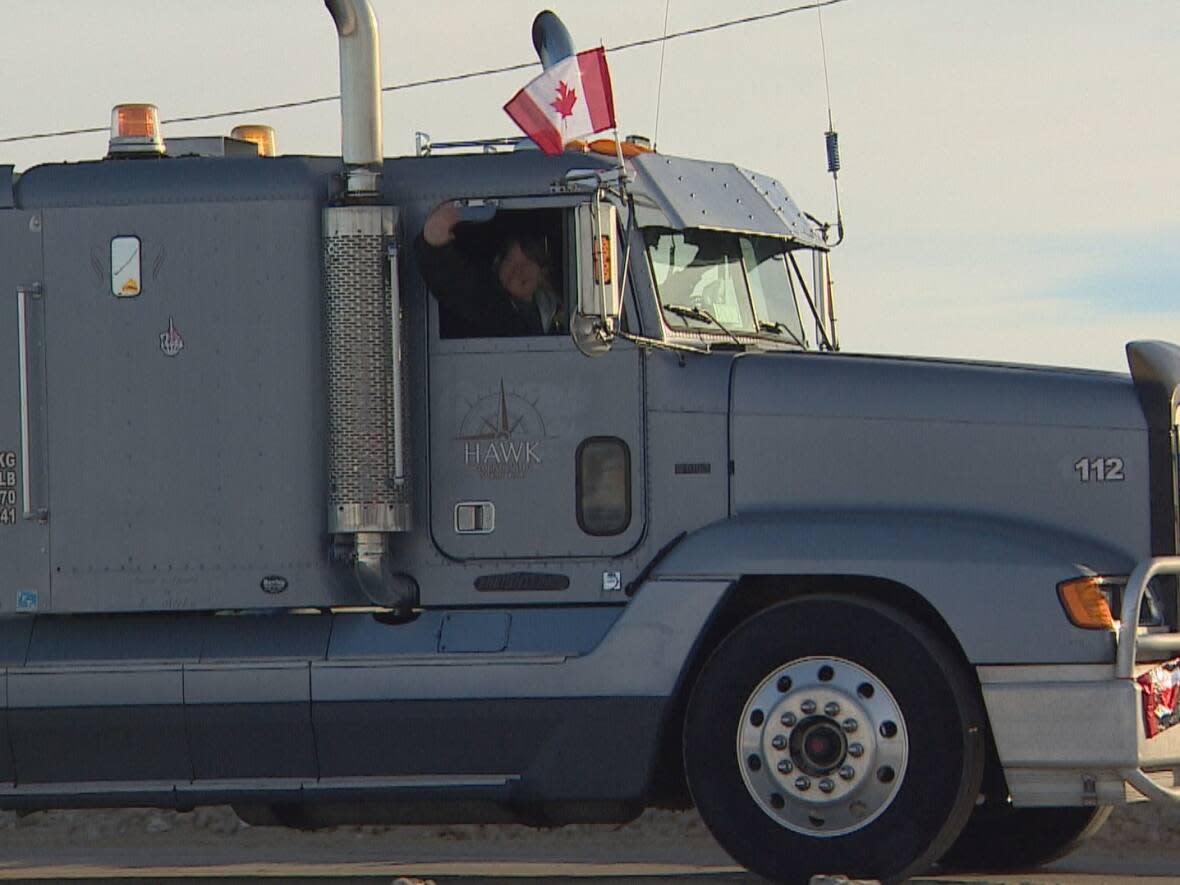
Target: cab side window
<point x="503" y="277"/>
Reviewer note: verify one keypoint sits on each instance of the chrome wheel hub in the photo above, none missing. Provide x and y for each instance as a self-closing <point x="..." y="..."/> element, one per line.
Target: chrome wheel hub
<point x="822" y="746"/>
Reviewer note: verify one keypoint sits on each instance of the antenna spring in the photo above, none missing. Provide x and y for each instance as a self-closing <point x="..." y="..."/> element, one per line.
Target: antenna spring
<point x="832" y="141"/>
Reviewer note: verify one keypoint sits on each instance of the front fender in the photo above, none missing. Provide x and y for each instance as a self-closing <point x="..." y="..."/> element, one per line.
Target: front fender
<point x="992" y="581"/>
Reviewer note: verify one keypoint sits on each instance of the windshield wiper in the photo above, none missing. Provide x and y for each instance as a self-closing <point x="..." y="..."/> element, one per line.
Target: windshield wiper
<point x="777" y="328"/>
<point x="702" y="316"/>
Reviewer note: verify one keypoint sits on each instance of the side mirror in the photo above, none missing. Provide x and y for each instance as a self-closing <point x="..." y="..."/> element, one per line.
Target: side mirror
<point x="599" y="302"/>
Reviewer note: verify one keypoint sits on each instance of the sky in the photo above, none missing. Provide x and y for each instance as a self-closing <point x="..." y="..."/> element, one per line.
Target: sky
<point x="1009" y="186"/>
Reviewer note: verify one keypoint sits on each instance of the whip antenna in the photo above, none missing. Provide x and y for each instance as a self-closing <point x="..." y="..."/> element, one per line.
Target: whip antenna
<point x="831" y="137"/>
<point x="655" y="136"/>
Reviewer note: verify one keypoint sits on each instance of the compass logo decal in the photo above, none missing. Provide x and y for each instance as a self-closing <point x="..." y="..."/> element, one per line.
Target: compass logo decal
<point x="502" y="435"/>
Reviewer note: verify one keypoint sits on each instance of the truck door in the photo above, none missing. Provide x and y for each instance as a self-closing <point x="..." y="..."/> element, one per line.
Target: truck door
<point x="24" y="532"/>
<point x="536" y="451"/>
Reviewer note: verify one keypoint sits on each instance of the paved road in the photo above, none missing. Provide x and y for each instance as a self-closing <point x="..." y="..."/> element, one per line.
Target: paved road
<point x="211" y="846"/>
<point x="495" y="869"/>
<point x="513" y="874"/>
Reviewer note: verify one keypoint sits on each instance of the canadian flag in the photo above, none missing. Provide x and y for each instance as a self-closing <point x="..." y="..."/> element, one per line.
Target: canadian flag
<point x="569" y="100"/>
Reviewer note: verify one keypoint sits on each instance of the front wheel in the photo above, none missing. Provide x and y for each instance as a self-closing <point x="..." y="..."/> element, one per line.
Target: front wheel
<point x="833" y="735"/>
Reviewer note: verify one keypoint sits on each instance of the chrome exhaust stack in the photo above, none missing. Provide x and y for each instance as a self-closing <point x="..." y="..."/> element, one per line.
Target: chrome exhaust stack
<point x="369" y="488"/>
<point x="360" y="93"/>
<point x="551" y="39"/>
<point x="369" y="482"/>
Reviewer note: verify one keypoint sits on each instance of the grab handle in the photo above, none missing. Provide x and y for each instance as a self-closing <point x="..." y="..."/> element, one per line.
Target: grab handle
<point x="23" y="293"/>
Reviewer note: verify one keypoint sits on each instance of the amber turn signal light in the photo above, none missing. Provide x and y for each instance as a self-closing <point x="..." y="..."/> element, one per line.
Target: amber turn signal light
<point x="1085" y="604"/>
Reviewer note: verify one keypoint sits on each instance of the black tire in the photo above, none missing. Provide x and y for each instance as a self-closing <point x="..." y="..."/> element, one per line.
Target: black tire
<point x="889" y="827"/>
<point x="285" y="815"/>
<point x="1015" y="839"/>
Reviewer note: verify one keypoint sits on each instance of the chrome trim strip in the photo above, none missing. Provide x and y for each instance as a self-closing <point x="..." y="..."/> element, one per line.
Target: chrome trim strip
<point x="262" y="785"/>
<point x="411" y="782"/>
<point x="88" y="788"/>
<point x="460" y="659"/>
<point x="22" y="294"/>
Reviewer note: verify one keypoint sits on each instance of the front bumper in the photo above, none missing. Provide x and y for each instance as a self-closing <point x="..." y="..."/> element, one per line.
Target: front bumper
<point x="1074" y="734"/>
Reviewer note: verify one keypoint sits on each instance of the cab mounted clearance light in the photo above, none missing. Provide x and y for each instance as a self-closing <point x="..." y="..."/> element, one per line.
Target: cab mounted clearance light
<point x="1085" y="603"/>
<point x="135" y="131"/>
<point x="631" y="146"/>
<point x="263" y="137"/>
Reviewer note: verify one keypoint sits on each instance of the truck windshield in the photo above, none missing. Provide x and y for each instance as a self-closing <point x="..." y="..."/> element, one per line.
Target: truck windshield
<point x="744" y="282"/>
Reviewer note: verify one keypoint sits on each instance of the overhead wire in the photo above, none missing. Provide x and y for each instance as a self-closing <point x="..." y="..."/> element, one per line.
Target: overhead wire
<point x="447" y="78"/>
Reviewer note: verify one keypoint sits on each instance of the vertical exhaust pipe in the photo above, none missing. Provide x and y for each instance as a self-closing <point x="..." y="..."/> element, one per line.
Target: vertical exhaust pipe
<point x="551" y="39"/>
<point x="369" y="488"/>
<point x="361" y="138"/>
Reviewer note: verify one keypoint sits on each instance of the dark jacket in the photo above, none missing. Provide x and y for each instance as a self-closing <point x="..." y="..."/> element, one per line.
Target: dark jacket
<point x="471" y="300"/>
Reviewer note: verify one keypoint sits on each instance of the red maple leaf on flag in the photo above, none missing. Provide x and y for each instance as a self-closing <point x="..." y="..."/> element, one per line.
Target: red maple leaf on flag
<point x="566" y="99"/>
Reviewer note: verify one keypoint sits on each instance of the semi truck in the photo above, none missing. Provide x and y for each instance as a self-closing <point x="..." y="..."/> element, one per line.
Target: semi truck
<point x="276" y="533"/>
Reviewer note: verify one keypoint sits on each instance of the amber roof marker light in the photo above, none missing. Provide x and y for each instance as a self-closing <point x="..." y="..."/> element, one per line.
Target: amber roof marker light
<point x="135" y="131"/>
<point x="262" y="137"/>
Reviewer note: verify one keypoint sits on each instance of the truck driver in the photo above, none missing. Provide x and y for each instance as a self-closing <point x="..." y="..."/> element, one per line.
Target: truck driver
<point x="513" y="296"/>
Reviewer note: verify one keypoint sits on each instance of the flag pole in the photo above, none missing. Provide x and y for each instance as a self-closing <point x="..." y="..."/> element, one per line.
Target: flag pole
<point x="618" y="141"/>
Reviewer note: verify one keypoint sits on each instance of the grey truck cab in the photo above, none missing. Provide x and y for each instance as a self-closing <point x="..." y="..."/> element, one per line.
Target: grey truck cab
<point x="274" y="535"/>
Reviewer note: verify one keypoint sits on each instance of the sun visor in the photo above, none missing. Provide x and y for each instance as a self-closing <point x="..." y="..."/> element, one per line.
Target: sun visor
<point x="716" y="196"/>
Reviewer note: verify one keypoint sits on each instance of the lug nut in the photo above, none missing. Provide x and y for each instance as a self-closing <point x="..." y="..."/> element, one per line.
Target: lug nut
<point x="847" y="772"/>
<point x="779" y="742"/>
<point x="827" y="785"/>
<point x="849" y="725"/>
<point x="788" y="720"/>
<point x="856" y="750"/>
<point x="831" y="708"/>
<point x="808" y="707"/>
<point x="802" y="782"/>
<point x="785" y="766"/>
